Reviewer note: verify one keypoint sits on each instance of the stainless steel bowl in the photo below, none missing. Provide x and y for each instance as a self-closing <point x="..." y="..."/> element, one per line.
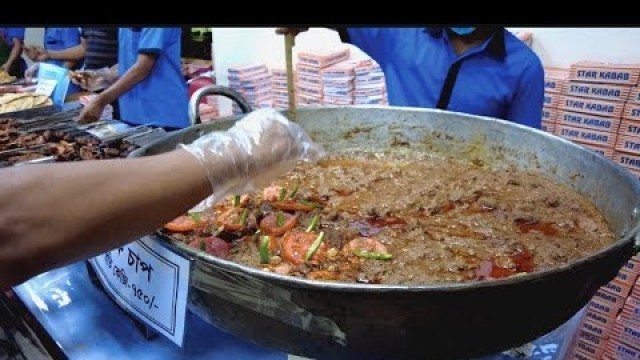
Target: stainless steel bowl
<point x="348" y="321"/>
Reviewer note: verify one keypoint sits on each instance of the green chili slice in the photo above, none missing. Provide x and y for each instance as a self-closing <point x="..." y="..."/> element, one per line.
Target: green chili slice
<point x="264" y="250"/>
<point x="195" y="216"/>
<point x="310" y="203"/>
<point x="373" y="255"/>
<point x="244" y="217"/>
<point x="279" y="219"/>
<point x="294" y="192"/>
<point x="283" y="193"/>
<point x="313" y="224"/>
<point x="236" y="200"/>
<point x="315" y="246"/>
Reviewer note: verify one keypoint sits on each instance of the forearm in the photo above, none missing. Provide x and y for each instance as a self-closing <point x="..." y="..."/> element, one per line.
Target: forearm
<point x="16" y="50"/>
<point x="74" y="54"/>
<point x="69" y="64"/>
<point x="128" y="80"/>
<point x="52" y="215"/>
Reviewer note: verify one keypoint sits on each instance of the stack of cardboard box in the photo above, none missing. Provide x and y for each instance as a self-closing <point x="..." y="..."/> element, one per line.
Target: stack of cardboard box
<point x="370" y="86"/>
<point x="627" y="150"/>
<point x="554" y="80"/>
<point x="279" y="88"/>
<point x="310" y="69"/>
<point x="253" y="82"/>
<point x="610" y="326"/>
<point x="593" y="103"/>
<point x="339" y="82"/>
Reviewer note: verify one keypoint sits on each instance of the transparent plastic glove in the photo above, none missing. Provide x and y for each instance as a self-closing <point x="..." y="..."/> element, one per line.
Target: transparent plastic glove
<point x="94" y="80"/>
<point x="31" y="73"/>
<point x="256" y="150"/>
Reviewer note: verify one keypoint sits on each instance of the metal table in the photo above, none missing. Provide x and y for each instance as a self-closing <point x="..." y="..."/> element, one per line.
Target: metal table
<point x="82" y="322"/>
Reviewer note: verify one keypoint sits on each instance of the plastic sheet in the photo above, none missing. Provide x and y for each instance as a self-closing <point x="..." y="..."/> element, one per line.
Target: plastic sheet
<point x="94" y="80"/>
<point x="258" y="148"/>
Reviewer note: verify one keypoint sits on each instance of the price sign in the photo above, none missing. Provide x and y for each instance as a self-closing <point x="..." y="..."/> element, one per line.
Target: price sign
<point x="45" y="87"/>
<point x="150" y="281"/>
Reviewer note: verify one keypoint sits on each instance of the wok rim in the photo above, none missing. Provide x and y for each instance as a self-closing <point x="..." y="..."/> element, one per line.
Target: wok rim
<point x="292" y="281"/>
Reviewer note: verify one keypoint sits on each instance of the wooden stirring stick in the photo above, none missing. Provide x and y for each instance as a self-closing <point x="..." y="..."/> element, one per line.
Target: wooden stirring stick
<point x="289" y="42"/>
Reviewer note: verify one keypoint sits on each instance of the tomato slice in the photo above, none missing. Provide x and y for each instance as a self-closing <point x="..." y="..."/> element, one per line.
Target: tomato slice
<point x="269" y="226"/>
<point x="296" y="244"/>
<point x="182" y="223"/>
<point x="288" y="205"/>
<point x="213" y="245"/>
<point x="363" y="244"/>
<point x="231" y="219"/>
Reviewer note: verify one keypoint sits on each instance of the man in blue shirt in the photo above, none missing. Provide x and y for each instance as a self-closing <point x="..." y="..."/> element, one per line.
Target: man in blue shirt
<point x="483" y="71"/>
<point x="56" y="40"/>
<point x="150" y="87"/>
<point x="11" y="40"/>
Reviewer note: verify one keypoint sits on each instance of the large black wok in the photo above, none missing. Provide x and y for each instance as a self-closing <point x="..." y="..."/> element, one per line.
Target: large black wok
<point x="353" y="321"/>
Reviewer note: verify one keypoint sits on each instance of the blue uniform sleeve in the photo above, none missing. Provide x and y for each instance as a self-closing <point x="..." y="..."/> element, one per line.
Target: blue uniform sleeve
<point x="376" y="42"/>
<point x="17" y="33"/>
<point x="70" y="37"/>
<point x="153" y="40"/>
<point x="526" y="108"/>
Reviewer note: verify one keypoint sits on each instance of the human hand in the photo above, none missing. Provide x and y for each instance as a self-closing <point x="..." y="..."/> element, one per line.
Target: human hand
<point x="91" y="112"/>
<point x="4" y="67"/>
<point x="31" y="72"/>
<point x="41" y="54"/>
<point x="93" y="80"/>
<point x="256" y="150"/>
<point x="30" y="51"/>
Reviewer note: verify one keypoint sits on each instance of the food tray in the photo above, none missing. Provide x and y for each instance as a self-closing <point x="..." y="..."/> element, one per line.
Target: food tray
<point x="632" y="111"/>
<point x="597" y="91"/>
<point x="586" y="136"/>
<point x="553" y="84"/>
<point x="595" y="122"/>
<point x="628" y="144"/>
<point x="634" y="95"/>
<point x="591" y="106"/>
<point x="626" y="74"/>
<point x="548" y="126"/>
<point x="549" y="114"/>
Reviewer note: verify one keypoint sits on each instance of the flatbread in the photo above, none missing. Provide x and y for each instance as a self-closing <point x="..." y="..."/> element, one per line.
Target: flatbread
<point x="5" y="78"/>
<point x="22" y="101"/>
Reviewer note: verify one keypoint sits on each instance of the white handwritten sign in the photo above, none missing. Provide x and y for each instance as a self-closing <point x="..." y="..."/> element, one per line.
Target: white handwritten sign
<point x="150" y="281"/>
<point x="46" y="87"/>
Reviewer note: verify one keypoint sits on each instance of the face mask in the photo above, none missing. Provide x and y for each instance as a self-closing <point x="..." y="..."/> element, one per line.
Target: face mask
<point x="462" y="31"/>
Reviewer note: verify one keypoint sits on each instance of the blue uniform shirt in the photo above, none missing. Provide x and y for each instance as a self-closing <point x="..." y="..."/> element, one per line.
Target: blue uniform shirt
<point x="61" y="39"/>
<point x="10" y="33"/>
<point x="501" y="78"/>
<point x="160" y="99"/>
